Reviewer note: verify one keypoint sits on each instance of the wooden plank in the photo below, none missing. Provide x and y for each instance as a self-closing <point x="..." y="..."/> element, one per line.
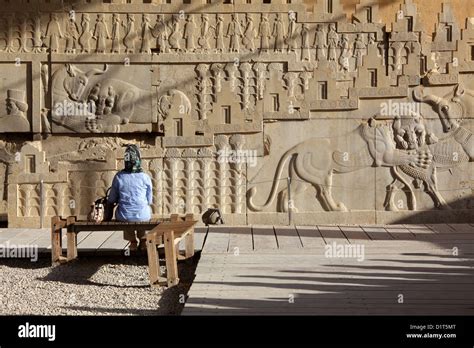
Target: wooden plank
<point x="114" y="242"/>
<point x="23" y="237"/>
<point x="55" y="240"/>
<point x="71" y="245"/>
<point x="264" y="238"/>
<point x="354" y="234"/>
<point x="199" y="237"/>
<point x="332" y="234"/>
<point x="43" y="240"/>
<point x="287" y="237"/>
<point x="189" y="244"/>
<point x="377" y="233"/>
<point x="93" y="241"/>
<point x="217" y="240"/>
<point x="171" y="261"/>
<point x="10" y="233"/>
<point x="153" y="262"/>
<point x="440" y="228"/>
<point x="418" y="230"/>
<point x="400" y="232"/>
<point x="240" y="239"/>
<point x="310" y="237"/>
<point x="462" y="228"/>
<point x="82" y="236"/>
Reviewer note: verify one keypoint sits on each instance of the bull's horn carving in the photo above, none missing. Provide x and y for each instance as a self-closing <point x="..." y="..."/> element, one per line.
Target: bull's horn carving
<point x="97" y="71"/>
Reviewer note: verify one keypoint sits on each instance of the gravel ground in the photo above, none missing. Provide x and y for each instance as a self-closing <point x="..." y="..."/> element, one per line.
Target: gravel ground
<point x="95" y="285"/>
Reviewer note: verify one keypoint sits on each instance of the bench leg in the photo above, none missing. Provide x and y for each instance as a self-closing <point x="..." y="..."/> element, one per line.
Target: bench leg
<point x="153" y="262"/>
<point x="71" y="246"/>
<point x="189" y="242"/>
<point x="56" y="236"/>
<point x="171" y="262"/>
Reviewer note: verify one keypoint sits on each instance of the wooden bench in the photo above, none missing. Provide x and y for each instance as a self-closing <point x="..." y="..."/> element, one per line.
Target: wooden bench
<point x="166" y="232"/>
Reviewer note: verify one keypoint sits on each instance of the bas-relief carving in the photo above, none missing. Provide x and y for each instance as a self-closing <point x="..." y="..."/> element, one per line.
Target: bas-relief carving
<point x="89" y="99"/>
<point x="217" y="77"/>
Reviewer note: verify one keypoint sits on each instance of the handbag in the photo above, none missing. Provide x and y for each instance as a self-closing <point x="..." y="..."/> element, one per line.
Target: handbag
<point x="212" y="217"/>
<point x="101" y="209"/>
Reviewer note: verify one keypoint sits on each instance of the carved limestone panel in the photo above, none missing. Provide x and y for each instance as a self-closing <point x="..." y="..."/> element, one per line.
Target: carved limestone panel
<point x="238" y="106"/>
<point x="107" y="98"/>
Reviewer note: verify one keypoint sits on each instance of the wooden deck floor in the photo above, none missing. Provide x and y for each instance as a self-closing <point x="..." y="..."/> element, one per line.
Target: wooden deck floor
<point x="87" y="242"/>
<point x="406" y="270"/>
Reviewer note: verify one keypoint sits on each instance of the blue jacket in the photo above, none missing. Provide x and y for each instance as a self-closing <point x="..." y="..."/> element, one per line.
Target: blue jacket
<point x="133" y="193"/>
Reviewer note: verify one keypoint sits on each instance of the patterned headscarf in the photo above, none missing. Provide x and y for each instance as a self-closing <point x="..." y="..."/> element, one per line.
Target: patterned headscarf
<point x="132" y="159"/>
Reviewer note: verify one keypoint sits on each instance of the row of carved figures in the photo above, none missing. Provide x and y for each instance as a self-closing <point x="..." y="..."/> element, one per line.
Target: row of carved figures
<point x="180" y="33"/>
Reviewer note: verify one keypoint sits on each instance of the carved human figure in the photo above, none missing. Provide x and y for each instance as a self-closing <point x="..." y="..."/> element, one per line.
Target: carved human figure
<point x="278" y="33"/>
<point x="190" y="32"/>
<point x="359" y="50"/>
<point x="130" y="34"/>
<point x="345" y="52"/>
<point x="86" y="35"/>
<point x="94" y="93"/>
<point x="250" y="34"/>
<point x="205" y="33"/>
<point x="320" y="43"/>
<point x="333" y="42"/>
<point x="161" y="32"/>
<point x="116" y="37"/>
<point x="109" y="101"/>
<point x="234" y="31"/>
<point x="264" y="33"/>
<point x="219" y="34"/>
<point x="305" y="44"/>
<point x="101" y="34"/>
<point x="371" y="39"/>
<point x="72" y="35"/>
<point x="54" y="33"/>
<point x="146" y="34"/>
<point x="176" y="34"/>
<point x="15" y="120"/>
<point x="292" y="38"/>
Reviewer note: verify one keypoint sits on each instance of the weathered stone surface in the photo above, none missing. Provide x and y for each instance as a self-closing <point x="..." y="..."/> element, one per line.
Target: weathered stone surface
<point x="229" y="100"/>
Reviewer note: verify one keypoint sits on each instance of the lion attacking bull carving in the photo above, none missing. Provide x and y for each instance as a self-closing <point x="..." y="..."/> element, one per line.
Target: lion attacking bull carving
<point x="315" y="161"/>
<point x="105" y="105"/>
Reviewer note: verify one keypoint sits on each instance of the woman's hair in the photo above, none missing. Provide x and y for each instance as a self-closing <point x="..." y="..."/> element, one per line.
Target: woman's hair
<point x="132" y="159"/>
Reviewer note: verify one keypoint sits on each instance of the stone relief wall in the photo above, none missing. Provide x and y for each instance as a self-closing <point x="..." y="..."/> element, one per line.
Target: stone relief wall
<point x="273" y="111"/>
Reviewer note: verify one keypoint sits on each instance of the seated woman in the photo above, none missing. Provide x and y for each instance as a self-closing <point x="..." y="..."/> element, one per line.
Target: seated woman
<point x="132" y="191"/>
